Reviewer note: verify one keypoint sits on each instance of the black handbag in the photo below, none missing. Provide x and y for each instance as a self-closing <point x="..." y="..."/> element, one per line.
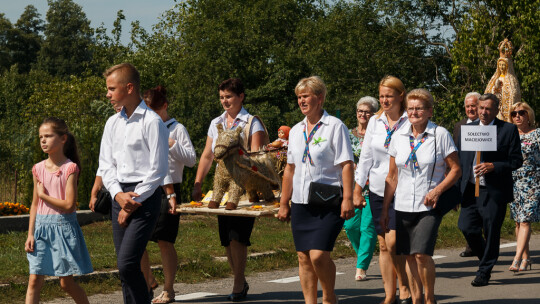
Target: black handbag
<point x="450" y="198"/>
<point x="103" y="203"/>
<point x="324" y="195"/>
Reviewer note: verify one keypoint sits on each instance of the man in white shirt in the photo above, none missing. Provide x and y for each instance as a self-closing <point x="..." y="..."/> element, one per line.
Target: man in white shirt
<point x="471" y="111"/>
<point x="133" y="159"/>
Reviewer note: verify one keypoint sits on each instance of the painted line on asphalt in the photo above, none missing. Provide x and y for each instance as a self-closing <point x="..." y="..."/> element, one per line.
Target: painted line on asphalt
<point x="508" y="245"/>
<point x="193" y="296"/>
<point x="286" y="280"/>
<point x="293" y="279"/>
<point x="438" y="257"/>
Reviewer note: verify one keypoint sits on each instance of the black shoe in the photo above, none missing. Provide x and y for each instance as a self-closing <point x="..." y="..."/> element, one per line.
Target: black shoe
<point x="239" y="296"/>
<point x="404" y="301"/>
<point x="466" y="254"/>
<point x="480" y="280"/>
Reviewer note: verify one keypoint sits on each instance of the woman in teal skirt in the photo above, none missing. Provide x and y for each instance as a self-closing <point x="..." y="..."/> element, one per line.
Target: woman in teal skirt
<point x="360" y="228"/>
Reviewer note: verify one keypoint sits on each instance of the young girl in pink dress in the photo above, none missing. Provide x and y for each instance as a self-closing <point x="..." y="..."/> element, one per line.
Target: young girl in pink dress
<point x="55" y="245"/>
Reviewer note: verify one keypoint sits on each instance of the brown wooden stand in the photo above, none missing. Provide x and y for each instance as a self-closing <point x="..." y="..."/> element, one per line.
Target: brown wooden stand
<point x="477" y="180"/>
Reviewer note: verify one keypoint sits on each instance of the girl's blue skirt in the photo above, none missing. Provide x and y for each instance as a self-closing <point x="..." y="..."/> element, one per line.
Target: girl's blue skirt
<point x="59" y="248"/>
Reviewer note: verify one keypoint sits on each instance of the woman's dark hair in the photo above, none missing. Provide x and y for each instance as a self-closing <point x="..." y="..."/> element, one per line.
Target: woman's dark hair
<point x="234" y="85"/>
<point x="156" y="97"/>
<point x="60" y="127"/>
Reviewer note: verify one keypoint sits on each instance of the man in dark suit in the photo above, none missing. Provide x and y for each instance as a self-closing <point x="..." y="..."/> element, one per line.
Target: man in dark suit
<point x="471" y="111"/>
<point x="495" y="171"/>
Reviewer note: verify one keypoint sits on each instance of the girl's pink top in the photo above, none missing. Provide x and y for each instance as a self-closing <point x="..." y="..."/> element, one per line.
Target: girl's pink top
<point x="54" y="183"/>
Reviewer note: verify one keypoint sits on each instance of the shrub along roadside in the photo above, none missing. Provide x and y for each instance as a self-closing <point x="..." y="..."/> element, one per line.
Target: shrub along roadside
<point x="197" y="245"/>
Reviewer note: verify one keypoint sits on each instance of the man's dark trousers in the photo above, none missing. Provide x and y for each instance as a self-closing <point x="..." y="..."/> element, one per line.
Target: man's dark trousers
<point x="130" y="243"/>
<point x="488" y="210"/>
<point x="477" y="214"/>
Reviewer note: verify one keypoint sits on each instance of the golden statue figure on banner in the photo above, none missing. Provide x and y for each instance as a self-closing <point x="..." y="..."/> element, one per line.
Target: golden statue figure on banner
<point x="504" y="83"/>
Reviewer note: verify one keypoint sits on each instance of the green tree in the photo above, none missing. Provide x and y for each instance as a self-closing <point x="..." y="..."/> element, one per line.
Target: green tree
<point x="106" y="50"/>
<point x="484" y="25"/>
<point x="27" y="40"/>
<point x="68" y="37"/>
<point x="6" y="29"/>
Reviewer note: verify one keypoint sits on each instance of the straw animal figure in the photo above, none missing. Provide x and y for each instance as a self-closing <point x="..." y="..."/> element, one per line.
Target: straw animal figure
<point x="238" y="171"/>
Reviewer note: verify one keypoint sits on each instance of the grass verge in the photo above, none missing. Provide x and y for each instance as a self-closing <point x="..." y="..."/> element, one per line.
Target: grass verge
<point x="197" y="245"/>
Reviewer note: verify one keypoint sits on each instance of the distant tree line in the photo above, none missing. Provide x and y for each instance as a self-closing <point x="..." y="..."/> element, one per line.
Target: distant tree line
<point x="53" y="66"/>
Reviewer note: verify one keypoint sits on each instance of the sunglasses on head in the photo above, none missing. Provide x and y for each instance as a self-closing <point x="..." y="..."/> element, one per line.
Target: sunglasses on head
<point x="520" y="112"/>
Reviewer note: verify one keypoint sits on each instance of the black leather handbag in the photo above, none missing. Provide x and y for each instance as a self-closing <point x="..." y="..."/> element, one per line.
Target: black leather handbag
<point x="103" y="203"/>
<point x="324" y="195"/>
<point x="450" y="198"/>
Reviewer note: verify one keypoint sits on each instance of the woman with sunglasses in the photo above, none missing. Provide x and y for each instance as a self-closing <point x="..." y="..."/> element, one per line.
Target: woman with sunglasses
<point x="525" y="208"/>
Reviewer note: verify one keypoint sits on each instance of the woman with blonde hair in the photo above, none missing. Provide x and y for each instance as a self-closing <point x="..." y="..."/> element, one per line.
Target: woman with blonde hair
<point x="319" y="157"/>
<point x="432" y="152"/>
<point x="525" y="208"/>
<point x="373" y="165"/>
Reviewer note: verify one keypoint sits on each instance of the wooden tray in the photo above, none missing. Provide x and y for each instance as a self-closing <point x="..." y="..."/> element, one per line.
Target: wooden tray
<point x="245" y="208"/>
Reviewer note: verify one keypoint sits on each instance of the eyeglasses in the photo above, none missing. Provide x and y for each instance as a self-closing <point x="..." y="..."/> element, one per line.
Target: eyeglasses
<point x="419" y="109"/>
<point x="520" y="113"/>
<point x="362" y="112"/>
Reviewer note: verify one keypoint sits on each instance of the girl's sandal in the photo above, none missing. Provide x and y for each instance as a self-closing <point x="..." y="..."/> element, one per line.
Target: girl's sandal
<point x="164" y="297"/>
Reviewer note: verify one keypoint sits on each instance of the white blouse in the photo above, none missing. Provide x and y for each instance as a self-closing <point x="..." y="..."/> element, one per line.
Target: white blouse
<point x="242" y="117"/>
<point x="329" y="148"/>
<point x="413" y="185"/>
<point x="374" y="159"/>
<point x="181" y="154"/>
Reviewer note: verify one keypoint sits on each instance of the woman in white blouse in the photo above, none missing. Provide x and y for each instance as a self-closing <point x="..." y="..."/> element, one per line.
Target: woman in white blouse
<point x="181" y="154"/>
<point x="234" y="231"/>
<point x="319" y="151"/>
<point x="373" y="165"/>
<point x="419" y="157"/>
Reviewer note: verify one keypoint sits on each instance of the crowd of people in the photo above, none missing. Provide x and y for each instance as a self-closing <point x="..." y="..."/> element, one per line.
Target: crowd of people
<point x="386" y="176"/>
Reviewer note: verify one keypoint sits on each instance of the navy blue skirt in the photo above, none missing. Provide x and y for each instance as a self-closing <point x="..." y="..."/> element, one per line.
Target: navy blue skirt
<point x="376" y="204"/>
<point x="315" y="228"/>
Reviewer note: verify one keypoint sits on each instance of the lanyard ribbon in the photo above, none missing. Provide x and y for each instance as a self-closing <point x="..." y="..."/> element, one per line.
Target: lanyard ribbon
<point x="308" y="140"/>
<point x="235" y="124"/>
<point x="389" y="131"/>
<point x="412" y="157"/>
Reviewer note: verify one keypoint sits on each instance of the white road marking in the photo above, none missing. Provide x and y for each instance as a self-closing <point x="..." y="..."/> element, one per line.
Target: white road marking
<point x="508" y="245"/>
<point x="193" y="296"/>
<point x="292" y="279"/>
<point x="438" y="257"/>
<point x="286" y="280"/>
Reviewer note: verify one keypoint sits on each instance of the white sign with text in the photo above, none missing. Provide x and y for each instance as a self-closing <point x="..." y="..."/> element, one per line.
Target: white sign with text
<point x="478" y="138"/>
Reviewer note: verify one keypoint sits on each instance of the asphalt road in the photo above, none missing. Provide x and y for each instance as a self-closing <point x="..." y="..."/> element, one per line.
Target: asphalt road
<point x="454" y="275"/>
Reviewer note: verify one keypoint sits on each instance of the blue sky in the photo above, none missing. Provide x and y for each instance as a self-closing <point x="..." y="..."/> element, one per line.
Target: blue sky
<point x="147" y="12"/>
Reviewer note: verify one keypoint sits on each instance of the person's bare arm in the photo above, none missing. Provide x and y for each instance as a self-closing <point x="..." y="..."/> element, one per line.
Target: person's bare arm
<point x="204" y="166"/>
<point x="284" y="213"/>
<point x="98" y="184"/>
<point x="389" y="191"/>
<point x="347" y="207"/>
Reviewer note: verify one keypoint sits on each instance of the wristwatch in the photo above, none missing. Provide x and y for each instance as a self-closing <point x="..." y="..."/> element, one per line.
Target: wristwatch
<point x="169" y="196"/>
